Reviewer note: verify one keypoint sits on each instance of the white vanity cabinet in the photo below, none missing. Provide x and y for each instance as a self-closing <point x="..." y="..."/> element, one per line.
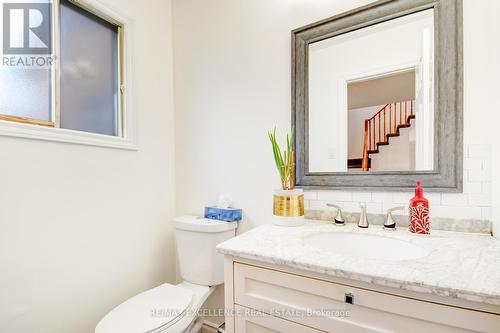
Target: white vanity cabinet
<point x="252" y="321"/>
<point x="270" y="298"/>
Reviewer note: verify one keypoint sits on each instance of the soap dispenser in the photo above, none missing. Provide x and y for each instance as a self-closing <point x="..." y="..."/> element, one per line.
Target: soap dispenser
<point x="419" y="212"/>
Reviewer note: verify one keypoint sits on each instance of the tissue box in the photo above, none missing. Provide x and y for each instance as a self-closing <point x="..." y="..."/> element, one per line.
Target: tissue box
<point x="223" y="214"/>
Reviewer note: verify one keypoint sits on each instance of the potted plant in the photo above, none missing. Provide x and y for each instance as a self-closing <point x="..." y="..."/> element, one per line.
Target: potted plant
<point x="288" y="207"/>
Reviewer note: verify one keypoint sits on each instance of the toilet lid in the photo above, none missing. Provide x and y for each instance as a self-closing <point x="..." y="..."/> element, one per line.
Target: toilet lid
<point x="156" y="308"/>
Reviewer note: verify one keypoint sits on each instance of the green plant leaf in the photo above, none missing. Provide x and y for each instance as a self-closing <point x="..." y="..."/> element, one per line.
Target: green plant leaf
<point x="285" y="174"/>
<point x="278" y="158"/>
<point x="289" y="153"/>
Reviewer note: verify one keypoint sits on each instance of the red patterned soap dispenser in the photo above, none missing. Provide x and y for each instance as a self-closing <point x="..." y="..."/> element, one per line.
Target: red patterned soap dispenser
<point x="419" y="212"/>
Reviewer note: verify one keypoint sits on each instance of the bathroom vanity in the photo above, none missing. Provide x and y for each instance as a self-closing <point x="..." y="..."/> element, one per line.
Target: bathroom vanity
<point x="323" y="278"/>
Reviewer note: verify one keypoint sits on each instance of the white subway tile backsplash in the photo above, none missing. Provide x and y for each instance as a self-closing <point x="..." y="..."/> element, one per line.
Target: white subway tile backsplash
<point x="487" y="163"/>
<point x="318" y="204"/>
<point x="483" y="175"/>
<point x="474" y="202"/>
<point x="480" y="200"/>
<point x="352" y="206"/>
<point x="402" y="198"/>
<point x="307" y="204"/>
<point x="374" y="208"/>
<point x="473" y="163"/>
<point x="382" y="197"/>
<point x="388" y="205"/>
<point x="478" y="150"/>
<point x="486" y="188"/>
<point x="345" y="206"/>
<point x="335" y="195"/>
<point x="486" y="213"/>
<point x="473" y="187"/>
<point x="454" y="199"/>
<point x="362" y="196"/>
<point x="310" y="195"/>
<point x="457" y="212"/>
<point x="433" y="197"/>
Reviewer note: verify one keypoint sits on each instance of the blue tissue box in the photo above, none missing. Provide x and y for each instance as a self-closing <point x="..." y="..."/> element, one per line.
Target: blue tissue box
<point x="223" y="214"/>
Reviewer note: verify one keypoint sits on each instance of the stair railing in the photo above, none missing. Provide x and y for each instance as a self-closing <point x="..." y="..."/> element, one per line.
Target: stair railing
<point x="382" y="124"/>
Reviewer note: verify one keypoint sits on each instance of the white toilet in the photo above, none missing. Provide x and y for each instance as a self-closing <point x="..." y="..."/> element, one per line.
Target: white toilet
<point x="173" y="309"/>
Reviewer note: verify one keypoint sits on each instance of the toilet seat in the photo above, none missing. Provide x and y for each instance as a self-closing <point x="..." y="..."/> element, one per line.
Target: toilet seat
<point x="152" y="311"/>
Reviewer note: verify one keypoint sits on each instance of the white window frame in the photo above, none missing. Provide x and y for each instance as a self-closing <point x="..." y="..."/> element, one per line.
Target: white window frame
<point x="127" y="119"/>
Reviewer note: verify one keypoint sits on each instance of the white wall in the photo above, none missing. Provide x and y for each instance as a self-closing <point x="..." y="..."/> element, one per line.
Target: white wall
<point x="382" y="90"/>
<point x="399" y="154"/>
<point x="482" y="71"/>
<point x="84" y="228"/>
<point x="232" y="84"/>
<point x="356" y="129"/>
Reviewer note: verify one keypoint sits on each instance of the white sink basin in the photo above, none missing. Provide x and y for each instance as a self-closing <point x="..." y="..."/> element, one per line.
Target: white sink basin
<point x="366" y="246"/>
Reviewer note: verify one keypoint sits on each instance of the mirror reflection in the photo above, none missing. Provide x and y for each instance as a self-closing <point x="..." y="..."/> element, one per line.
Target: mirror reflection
<point x="371" y="98"/>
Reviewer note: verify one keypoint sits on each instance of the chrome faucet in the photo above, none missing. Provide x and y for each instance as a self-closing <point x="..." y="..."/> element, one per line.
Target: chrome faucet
<point x="390" y="222"/>
<point x="363" y="220"/>
<point x="339" y="219"/>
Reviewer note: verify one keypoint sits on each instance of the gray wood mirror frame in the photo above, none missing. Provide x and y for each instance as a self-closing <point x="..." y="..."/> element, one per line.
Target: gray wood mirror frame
<point x="447" y="172"/>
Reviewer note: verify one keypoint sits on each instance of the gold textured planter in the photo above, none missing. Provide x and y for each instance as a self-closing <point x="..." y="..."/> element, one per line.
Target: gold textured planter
<point x="288" y="207"/>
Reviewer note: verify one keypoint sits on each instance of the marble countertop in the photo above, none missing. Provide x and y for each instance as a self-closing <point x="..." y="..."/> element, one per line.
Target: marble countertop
<point x="459" y="265"/>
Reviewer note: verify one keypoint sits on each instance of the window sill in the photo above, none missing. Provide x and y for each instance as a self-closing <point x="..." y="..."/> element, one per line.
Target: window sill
<point x="36" y="132"/>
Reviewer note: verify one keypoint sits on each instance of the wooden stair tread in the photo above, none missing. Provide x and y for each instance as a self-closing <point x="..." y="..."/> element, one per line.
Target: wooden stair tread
<point x="357" y="163"/>
<point x="369" y="129"/>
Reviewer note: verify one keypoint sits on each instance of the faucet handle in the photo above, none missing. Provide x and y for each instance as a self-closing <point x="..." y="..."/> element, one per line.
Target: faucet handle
<point x="339" y="219"/>
<point x="390" y="222"/>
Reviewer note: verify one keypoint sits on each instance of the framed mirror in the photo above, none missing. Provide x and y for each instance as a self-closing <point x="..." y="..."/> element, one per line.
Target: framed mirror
<point x="377" y="98"/>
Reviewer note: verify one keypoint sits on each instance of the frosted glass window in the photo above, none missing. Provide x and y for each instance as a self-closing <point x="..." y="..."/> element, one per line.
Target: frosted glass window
<point x="89" y="72"/>
<point x="25" y="93"/>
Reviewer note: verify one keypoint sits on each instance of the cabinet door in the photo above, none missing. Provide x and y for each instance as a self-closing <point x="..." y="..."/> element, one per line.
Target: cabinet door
<point x="252" y="321"/>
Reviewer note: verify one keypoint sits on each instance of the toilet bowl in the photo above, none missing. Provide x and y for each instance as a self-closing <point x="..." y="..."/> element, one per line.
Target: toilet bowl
<point x="175" y="308"/>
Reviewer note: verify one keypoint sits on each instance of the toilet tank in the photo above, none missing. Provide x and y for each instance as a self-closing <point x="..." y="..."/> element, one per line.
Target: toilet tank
<point x="196" y="239"/>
